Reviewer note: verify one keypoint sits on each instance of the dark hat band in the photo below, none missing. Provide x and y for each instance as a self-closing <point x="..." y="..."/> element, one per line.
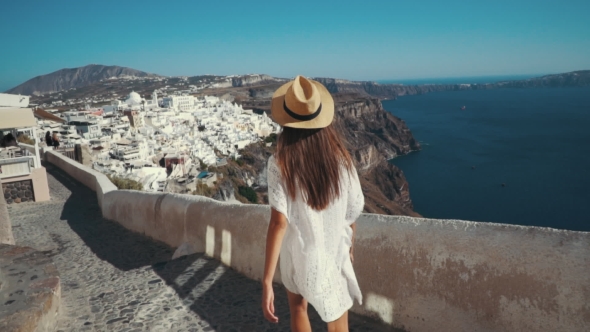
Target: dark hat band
<point x="302" y="117"/>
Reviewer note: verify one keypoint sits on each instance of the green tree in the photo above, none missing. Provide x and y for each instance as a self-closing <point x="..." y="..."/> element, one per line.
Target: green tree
<point x="272" y="138"/>
<point x="248" y="193"/>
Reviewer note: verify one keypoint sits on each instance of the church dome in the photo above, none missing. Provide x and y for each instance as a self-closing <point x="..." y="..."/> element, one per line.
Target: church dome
<point x="133" y="99"/>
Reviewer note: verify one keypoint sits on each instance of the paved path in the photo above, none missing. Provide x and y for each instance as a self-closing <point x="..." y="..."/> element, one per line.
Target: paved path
<point x="116" y="280"/>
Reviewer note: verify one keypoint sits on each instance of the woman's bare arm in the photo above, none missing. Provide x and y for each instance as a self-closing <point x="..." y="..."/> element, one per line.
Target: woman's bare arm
<point x="353" y="226"/>
<point x="274" y="239"/>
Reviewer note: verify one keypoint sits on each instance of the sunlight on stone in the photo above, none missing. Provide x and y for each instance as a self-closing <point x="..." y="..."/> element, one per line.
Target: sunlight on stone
<point x="380" y="305"/>
<point x="225" y="247"/>
<point x="210" y="241"/>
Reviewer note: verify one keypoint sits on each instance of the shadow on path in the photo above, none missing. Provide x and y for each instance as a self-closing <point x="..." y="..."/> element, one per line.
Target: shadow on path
<point x="229" y="301"/>
<point x="108" y="240"/>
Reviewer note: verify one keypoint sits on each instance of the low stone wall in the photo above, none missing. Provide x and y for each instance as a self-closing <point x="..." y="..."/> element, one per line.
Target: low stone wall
<point x="30" y="290"/>
<point x="415" y="274"/>
<point x="18" y="191"/>
<point x="6" y="236"/>
<point x="92" y="179"/>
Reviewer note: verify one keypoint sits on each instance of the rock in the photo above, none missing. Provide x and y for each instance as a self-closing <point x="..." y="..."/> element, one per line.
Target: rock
<point x="17" y="200"/>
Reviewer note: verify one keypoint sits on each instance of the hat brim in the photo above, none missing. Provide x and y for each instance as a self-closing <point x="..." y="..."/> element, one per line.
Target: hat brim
<point x="281" y="117"/>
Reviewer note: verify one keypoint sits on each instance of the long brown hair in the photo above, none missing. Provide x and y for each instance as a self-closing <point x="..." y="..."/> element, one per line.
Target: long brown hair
<point x="311" y="161"/>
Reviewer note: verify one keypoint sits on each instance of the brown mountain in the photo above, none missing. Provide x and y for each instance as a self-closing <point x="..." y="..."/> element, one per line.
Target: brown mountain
<point x="68" y="78"/>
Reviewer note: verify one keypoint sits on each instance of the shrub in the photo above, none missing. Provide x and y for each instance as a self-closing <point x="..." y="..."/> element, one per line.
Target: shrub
<point x="272" y="138"/>
<point x="122" y="183"/>
<point x="248" y="193"/>
<point x="25" y="139"/>
<point x="203" y="190"/>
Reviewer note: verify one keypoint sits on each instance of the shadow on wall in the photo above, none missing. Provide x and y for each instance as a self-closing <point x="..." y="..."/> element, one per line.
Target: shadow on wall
<point x="218" y="294"/>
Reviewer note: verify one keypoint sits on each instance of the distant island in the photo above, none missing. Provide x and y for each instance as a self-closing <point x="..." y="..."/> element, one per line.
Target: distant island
<point x="74" y="78"/>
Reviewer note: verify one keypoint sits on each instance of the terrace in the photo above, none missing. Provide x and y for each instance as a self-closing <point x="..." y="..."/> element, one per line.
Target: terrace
<point x="21" y="174"/>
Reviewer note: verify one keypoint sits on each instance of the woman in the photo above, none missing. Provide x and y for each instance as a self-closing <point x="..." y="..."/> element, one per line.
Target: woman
<point x="55" y="141"/>
<point x="315" y="198"/>
<point x="48" y="140"/>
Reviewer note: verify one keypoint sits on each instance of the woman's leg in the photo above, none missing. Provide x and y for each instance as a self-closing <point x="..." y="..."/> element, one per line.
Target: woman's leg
<point x="339" y="325"/>
<point x="298" y="308"/>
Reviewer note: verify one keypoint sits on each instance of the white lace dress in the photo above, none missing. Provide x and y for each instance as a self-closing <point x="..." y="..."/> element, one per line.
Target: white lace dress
<point x="314" y="259"/>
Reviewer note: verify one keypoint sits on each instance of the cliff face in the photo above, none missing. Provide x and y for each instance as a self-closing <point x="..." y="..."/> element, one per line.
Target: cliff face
<point x="373" y="136"/>
<point x="254" y="79"/>
<point x="73" y="78"/>
<point x="366" y="123"/>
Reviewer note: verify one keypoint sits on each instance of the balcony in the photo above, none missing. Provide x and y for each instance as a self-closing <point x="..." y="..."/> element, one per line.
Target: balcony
<point x="20" y="163"/>
<point x="15" y="161"/>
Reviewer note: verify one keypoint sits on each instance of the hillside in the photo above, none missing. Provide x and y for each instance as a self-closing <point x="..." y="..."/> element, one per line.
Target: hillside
<point x="68" y="78"/>
<point x="372" y="135"/>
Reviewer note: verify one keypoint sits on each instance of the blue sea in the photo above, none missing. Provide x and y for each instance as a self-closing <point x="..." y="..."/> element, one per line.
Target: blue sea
<point x="515" y="156"/>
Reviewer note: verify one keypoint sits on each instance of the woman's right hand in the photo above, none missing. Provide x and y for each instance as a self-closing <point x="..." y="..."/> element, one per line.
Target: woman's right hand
<point x="268" y="304"/>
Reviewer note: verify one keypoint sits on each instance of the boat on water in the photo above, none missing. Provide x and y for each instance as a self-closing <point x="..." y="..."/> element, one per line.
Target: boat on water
<point x="463" y="107"/>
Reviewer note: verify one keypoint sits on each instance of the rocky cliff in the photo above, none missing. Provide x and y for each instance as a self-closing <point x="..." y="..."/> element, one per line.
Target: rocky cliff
<point x="373" y="136"/>
<point x="73" y="78"/>
<point x="254" y="79"/>
<point x="366" y="123"/>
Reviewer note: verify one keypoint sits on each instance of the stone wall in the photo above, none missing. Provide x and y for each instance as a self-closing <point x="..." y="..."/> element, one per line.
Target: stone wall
<point x="18" y="191"/>
<point x="415" y="274"/>
<point x="6" y="236"/>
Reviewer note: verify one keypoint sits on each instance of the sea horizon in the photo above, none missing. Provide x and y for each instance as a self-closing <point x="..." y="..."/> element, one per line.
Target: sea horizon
<point x="482" y="79"/>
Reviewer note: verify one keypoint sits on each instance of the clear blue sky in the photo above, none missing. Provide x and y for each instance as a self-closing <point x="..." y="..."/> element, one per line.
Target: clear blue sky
<point x="359" y="40"/>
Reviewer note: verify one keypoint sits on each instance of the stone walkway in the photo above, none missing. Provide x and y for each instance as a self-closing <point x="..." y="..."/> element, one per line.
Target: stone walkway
<point x="116" y="280"/>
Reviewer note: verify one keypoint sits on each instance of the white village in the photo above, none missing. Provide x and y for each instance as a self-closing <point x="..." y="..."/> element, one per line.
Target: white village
<point x="166" y="143"/>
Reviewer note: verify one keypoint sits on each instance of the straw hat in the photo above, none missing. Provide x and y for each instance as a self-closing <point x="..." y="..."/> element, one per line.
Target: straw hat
<point x="302" y="103"/>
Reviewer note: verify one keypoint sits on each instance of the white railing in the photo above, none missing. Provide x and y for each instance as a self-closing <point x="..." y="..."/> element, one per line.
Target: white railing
<point x="16" y="166"/>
